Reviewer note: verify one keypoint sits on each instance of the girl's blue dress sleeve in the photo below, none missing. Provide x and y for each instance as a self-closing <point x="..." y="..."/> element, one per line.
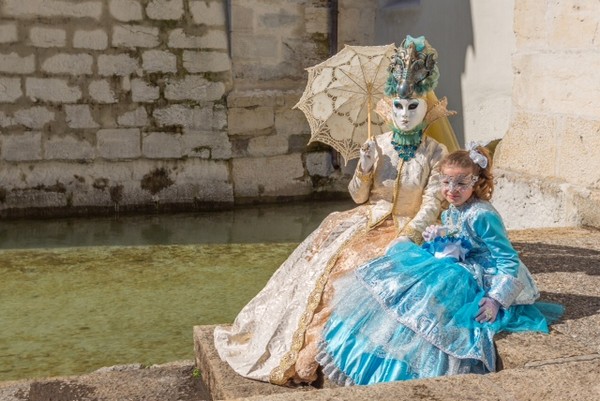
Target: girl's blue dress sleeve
<point x="504" y="285"/>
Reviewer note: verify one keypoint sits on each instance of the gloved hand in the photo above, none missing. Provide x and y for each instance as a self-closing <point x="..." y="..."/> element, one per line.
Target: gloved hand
<point x="433" y="232"/>
<point x="397" y="241"/>
<point x="368" y="156"/>
<point x="488" y="310"/>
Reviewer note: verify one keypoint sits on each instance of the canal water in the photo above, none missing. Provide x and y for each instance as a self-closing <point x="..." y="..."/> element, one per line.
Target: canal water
<point x="80" y="294"/>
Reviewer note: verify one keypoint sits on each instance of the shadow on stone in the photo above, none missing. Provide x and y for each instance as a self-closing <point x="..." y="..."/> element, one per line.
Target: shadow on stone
<point x="576" y="306"/>
<point x="58" y="390"/>
<point x="549" y="258"/>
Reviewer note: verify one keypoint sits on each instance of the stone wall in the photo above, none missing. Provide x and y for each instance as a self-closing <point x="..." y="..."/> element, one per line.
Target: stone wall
<point x="548" y="168"/>
<point x="129" y="104"/>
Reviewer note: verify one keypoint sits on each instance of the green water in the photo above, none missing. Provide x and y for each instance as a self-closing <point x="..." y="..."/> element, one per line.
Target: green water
<point x="78" y="294"/>
<point x="68" y="311"/>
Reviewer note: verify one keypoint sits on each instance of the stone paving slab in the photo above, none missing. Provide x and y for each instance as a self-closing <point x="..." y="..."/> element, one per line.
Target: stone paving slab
<point x="221" y="381"/>
<point x="455" y="388"/>
<point x="169" y="382"/>
<point x="517" y="350"/>
<point x="577" y="380"/>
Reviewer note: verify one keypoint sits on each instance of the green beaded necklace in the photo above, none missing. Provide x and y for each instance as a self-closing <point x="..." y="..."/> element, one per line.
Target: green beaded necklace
<point x="407" y="142"/>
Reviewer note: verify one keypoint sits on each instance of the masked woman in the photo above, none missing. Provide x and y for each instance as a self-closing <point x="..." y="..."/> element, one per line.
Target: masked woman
<point x="274" y="337"/>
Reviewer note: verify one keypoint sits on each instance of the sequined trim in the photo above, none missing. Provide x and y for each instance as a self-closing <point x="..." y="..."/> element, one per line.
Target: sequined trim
<point x="284" y="372"/>
<point x="364" y="177"/>
<point x="414" y="235"/>
<point x="505" y="288"/>
<point x="373" y="224"/>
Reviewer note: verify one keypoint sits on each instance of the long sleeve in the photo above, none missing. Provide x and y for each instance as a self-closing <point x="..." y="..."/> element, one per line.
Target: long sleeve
<point x="504" y="285"/>
<point x="360" y="185"/>
<point x="431" y="204"/>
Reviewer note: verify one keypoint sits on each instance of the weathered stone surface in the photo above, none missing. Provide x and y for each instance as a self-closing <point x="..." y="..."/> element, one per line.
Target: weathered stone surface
<point x="528" y="201"/>
<point x="120" y="65"/>
<point x="581" y="137"/>
<point x="96" y="39"/>
<point x="15" y="64"/>
<point x="98" y="61"/>
<point x="530" y="24"/>
<point x="577" y="380"/>
<point x="519" y="350"/>
<point x="255" y="47"/>
<point x="184" y="116"/>
<point x="206" y="144"/>
<point x="125" y="10"/>
<point x="80" y="116"/>
<point x="161" y="145"/>
<point x="201" y="61"/>
<point x="135" y="118"/>
<point x="47" y="37"/>
<point x="72" y="64"/>
<point x="270" y="176"/>
<point x="204" y="181"/>
<point x="167" y="382"/>
<point x="5" y="120"/>
<point x="52" y="8"/>
<point x="134" y="36"/>
<point x="317" y="20"/>
<point x="574" y="24"/>
<point x="165" y="9"/>
<point x="119" y="143"/>
<point x="10" y="89"/>
<point x="101" y="92"/>
<point x="22" y="147"/>
<point x="142" y="91"/>
<point x="222" y="382"/>
<point x="291" y="122"/>
<point x="34" y="117"/>
<point x="267" y="145"/>
<point x="194" y="87"/>
<point x="542" y="94"/>
<point x="248" y="121"/>
<point x="159" y="61"/>
<point x="8" y="32"/>
<point x="212" y="13"/>
<point x="68" y="148"/>
<point x="515" y="150"/>
<point x="213" y="39"/>
<point x="51" y="90"/>
<point x="319" y="164"/>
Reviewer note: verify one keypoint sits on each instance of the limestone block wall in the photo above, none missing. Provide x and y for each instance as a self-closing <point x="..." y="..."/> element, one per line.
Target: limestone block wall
<point x="272" y="42"/>
<point x="549" y="171"/>
<point x="129" y="104"/>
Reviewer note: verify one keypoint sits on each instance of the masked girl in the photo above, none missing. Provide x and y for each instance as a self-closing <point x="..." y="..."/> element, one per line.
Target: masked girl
<point x="434" y="310"/>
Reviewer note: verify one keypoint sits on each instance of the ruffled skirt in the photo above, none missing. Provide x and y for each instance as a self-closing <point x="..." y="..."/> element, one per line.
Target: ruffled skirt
<point x="408" y="315"/>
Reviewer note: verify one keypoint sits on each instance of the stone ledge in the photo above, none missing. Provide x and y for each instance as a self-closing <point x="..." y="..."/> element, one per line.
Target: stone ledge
<point x="536" y="367"/>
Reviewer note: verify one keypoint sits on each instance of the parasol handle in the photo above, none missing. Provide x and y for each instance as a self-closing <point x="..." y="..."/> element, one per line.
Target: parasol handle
<point x="369" y="119"/>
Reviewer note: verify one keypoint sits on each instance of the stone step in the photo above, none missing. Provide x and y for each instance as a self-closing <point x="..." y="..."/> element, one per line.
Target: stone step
<point x="520" y="354"/>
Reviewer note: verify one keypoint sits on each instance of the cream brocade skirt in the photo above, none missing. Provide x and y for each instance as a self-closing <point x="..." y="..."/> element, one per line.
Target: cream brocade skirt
<point x="274" y="338"/>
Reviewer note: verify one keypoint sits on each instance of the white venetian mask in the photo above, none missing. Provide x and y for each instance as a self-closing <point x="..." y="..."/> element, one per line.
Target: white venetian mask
<point x="408" y="113"/>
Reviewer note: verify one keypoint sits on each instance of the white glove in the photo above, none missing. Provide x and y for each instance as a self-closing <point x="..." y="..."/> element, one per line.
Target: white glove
<point x="368" y="156"/>
<point x="433" y="232"/>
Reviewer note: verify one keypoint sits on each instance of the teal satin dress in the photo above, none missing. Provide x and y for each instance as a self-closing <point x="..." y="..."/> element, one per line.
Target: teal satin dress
<point x="410" y="315"/>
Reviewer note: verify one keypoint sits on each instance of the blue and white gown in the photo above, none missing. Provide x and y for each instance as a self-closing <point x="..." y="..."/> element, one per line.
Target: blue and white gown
<point x="410" y="314"/>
